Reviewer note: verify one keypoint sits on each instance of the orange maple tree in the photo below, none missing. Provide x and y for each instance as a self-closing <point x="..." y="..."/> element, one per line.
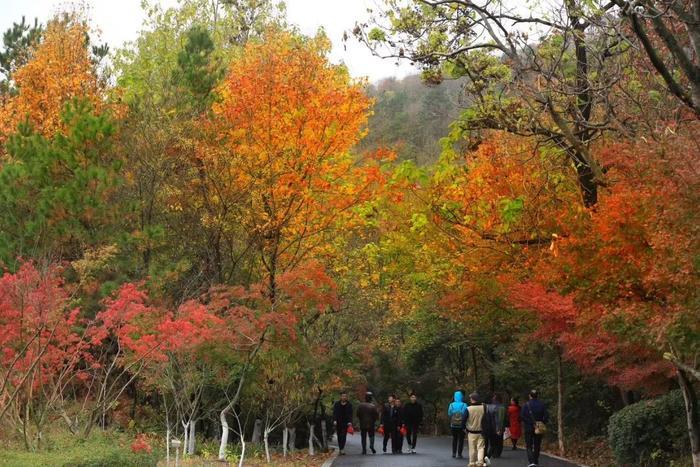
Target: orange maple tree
<point x="60" y="70"/>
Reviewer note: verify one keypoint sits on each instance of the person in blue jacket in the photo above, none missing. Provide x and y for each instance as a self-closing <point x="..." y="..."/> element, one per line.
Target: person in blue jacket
<point x="532" y="412"/>
<point x="456" y="413"/>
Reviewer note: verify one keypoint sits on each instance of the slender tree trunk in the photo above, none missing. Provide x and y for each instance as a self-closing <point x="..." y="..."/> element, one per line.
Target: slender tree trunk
<point x="191" y="438"/>
<point x="691" y="415"/>
<point x="185" y="440"/>
<point x="267" y="445"/>
<point x="312" y="451"/>
<point x="285" y="441"/>
<point x="292" y="438"/>
<point x="224" y="412"/>
<point x="560" y="402"/>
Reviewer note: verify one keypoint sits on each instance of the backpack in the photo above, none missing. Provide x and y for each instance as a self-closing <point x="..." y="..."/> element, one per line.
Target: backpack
<point x="457" y="419"/>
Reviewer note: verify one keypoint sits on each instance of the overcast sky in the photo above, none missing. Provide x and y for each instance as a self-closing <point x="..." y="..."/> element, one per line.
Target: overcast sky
<point x="120" y="21"/>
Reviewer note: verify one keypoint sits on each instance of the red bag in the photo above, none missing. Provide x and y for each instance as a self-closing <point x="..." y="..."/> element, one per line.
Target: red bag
<point x="351" y="430"/>
<point x="380" y="430"/>
<point x="403" y="430"/>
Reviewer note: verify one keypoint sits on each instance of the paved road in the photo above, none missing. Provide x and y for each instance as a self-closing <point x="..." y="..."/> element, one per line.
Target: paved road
<point x="431" y="452"/>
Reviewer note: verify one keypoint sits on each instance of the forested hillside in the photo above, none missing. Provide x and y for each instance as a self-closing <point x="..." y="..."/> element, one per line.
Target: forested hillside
<point x="210" y="233"/>
<point x="412" y="117"/>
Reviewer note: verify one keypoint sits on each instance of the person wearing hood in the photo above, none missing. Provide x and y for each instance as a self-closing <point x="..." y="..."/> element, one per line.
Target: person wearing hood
<point x="367" y="414"/>
<point x="342" y="419"/>
<point x="456" y="413"/>
<point x="413" y="417"/>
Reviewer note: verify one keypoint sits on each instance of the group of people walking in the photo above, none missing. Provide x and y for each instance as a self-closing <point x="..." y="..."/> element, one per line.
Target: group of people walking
<point x="485" y="426"/>
<point x="397" y="422"/>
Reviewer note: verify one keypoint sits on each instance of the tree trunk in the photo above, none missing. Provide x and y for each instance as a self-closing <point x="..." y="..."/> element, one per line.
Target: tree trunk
<point x="691" y="415"/>
<point x="312" y="451"/>
<point x="224" y="435"/>
<point x="292" y="438"/>
<point x="285" y="441"/>
<point x="560" y="403"/>
<point x="267" y="446"/>
<point x="234" y="400"/>
<point x="257" y="431"/>
<point x="324" y="433"/>
<point x="185" y="439"/>
<point x="191" y="439"/>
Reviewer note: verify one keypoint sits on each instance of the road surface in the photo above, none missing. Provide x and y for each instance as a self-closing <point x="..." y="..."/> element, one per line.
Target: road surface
<point x="431" y="452"/>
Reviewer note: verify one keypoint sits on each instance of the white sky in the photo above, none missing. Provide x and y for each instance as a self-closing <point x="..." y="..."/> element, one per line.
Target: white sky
<point x="120" y="21"/>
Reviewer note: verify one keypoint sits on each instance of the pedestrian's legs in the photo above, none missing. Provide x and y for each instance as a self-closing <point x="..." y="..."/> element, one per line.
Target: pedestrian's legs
<point x="529" y="444"/>
<point x="460" y="445"/>
<point x="536" y="451"/>
<point x="515" y="443"/>
<point x="400" y="437"/>
<point x="455" y="437"/>
<point x="363" y="438"/>
<point x="387" y="437"/>
<point x="471" y="446"/>
<point x="476" y="445"/>
<point x="342" y="435"/>
<point x="498" y="445"/>
<point x="480" y="450"/>
<point x="394" y="440"/>
<point x="371" y="439"/>
<point x="414" y="436"/>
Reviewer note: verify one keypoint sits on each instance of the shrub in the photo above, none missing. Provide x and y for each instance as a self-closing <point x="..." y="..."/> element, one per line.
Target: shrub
<point x="651" y="432"/>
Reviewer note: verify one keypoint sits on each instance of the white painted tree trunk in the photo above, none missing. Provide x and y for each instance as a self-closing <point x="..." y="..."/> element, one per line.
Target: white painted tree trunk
<point x="257" y="431"/>
<point x="312" y="451"/>
<point x="185" y="426"/>
<point x="191" y="439"/>
<point x="242" y="438"/>
<point x="267" y="447"/>
<point x="224" y="435"/>
<point x="292" y="438"/>
<point x="285" y="441"/>
<point x="167" y="446"/>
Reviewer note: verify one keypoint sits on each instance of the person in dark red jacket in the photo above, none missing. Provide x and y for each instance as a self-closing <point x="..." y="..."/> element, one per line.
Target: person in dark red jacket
<point x="413" y="418"/>
<point x="515" y="425"/>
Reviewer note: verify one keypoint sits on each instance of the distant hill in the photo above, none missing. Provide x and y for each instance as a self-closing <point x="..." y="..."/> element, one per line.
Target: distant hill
<point x="412" y="116"/>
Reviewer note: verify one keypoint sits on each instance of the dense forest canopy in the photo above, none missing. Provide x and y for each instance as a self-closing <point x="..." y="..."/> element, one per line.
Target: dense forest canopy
<point x="210" y="231"/>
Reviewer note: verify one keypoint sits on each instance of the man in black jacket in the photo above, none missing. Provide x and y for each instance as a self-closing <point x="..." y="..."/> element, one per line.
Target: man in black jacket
<point x="367" y="414"/>
<point x="413" y="418"/>
<point x="397" y="421"/>
<point x="342" y="419"/>
<point x="386" y="422"/>
<point x="533" y="411"/>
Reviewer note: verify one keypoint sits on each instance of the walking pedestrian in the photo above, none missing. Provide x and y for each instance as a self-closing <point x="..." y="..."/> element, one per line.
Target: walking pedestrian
<point x="386" y="422"/>
<point x="534" y="415"/>
<point x="342" y="419"/>
<point x="476" y="416"/>
<point x="497" y="422"/>
<point x="397" y="421"/>
<point x="514" y="422"/>
<point x="413" y="417"/>
<point x="367" y="415"/>
<point x="456" y="413"/>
